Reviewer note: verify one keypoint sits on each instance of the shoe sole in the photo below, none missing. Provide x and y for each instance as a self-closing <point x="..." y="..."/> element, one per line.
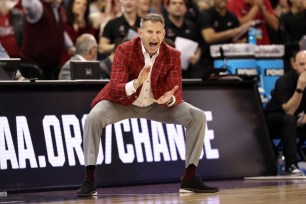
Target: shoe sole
<point x="190" y="190"/>
<point x="94" y="193"/>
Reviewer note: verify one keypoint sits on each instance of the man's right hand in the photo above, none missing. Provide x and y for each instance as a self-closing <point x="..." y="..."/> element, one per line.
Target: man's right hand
<point x="302" y="81"/>
<point x="143" y="75"/>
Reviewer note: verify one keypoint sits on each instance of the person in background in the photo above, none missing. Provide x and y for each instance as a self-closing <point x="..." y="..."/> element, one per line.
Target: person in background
<point x="77" y="23"/>
<point x="86" y="50"/>
<point x="218" y="26"/>
<point x="285" y="111"/>
<point x="106" y="64"/>
<point x="143" y="8"/>
<point x="204" y="4"/>
<point x="145" y="82"/>
<point x="102" y="11"/>
<point x="120" y="26"/>
<point x="292" y="29"/>
<point x="44" y="36"/>
<point x="192" y="9"/>
<point x="281" y="7"/>
<point x="256" y="10"/>
<point x="11" y="27"/>
<point x="176" y="25"/>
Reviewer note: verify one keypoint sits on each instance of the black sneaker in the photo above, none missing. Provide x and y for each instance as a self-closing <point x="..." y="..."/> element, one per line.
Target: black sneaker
<point x="294" y="170"/>
<point x="87" y="189"/>
<point x="196" y="185"/>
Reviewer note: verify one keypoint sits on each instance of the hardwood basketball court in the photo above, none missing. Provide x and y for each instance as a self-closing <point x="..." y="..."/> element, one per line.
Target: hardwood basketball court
<point x="277" y="190"/>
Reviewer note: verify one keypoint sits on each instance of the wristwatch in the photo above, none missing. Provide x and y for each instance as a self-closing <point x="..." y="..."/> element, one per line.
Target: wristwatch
<point x="299" y="90"/>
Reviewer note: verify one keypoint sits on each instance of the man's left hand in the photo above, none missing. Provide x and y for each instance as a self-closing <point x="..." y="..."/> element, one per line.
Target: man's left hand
<point x="167" y="96"/>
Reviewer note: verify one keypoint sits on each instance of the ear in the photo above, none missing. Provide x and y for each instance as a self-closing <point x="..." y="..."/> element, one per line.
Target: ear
<point x="293" y="63"/>
<point x="139" y="31"/>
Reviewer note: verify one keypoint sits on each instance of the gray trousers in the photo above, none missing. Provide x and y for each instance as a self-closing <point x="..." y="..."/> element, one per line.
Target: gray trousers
<point x="106" y="112"/>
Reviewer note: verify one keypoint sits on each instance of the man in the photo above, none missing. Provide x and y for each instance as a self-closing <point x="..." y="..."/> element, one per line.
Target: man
<point x="11" y="27"/>
<point x="44" y="35"/>
<point x="293" y="28"/>
<point x="256" y="10"/>
<point x="218" y="26"/>
<point x="178" y="26"/>
<point x="120" y="26"/>
<point x="145" y="82"/>
<point x="106" y="64"/>
<point x="285" y="110"/>
<point x="86" y="50"/>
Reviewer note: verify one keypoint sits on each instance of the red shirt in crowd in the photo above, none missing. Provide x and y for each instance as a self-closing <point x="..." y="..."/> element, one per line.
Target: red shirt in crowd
<point x="7" y="36"/>
<point x="241" y="8"/>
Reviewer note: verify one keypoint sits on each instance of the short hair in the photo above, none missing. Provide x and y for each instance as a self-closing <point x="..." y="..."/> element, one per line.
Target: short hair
<point x="84" y="43"/>
<point x="153" y="17"/>
<point x="168" y="2"/>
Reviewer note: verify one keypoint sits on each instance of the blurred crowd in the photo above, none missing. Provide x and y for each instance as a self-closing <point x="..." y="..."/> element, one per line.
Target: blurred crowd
<point x="44" y="33"/>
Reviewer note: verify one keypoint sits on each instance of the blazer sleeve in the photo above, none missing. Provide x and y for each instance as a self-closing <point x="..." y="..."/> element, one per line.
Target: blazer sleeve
<point x="119" y="74"/>
<point x="175" y="76"/>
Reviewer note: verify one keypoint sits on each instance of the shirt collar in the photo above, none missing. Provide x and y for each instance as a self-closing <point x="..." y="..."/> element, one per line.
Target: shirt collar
<point x="81" y="57"/>
<point x="145" y="52"/>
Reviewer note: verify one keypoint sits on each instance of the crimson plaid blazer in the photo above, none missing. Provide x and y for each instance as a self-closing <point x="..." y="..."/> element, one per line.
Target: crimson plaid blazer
<point x="127" y="64"/>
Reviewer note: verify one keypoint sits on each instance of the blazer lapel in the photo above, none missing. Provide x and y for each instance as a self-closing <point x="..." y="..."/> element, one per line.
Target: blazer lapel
<point x="140" y="58"/>
<point x="158" y="66"/>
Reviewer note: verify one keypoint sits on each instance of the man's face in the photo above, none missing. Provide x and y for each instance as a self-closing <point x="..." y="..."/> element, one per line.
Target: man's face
<point x="152" y="35"/>
<point x="220" y="4"/>
<point x="129" y="6"/>
<point x="177" y="8"/>
<point x="300" y="62"/>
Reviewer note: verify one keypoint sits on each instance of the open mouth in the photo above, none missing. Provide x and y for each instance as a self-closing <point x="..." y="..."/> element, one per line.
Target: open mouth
<point x="153" y="44"/>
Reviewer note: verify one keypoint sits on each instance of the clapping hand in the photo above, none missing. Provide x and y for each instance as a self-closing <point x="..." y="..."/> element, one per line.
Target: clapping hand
<point x="166" y="97"/>
<point x="142" y="76"/>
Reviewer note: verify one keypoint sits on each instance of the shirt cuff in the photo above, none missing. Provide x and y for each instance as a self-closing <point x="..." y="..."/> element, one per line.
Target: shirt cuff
<point x="129" y="88"/>
<point x="173" y="101"/>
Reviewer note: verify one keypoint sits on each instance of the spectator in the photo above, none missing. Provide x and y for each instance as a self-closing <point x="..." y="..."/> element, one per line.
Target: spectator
<point x="120" y="26"/>
<point x="11" y="25"/>
<point x="86" y="50"/>
<point x="78" y="19"/>
<point x="253" y="10"/>
<point x="218" y="25"/>
<point x="285" y="111"/>
<point x="102" y="11"/>
<point x="192" y="9"/>
<point x="157" y="6"/>
<point x="77" y="23"/>
<point x="293" y="28"/>
<point x="106" y="64"/>
<point x="143" y="7"/>
<point x="282" y="7"/>
<point x="177" y="25"/>
<point x="44" y="36"/>
<point x="204" y="4"/>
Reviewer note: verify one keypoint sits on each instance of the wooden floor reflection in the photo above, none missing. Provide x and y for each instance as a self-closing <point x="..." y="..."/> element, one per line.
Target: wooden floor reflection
<point x="289" y="191"/>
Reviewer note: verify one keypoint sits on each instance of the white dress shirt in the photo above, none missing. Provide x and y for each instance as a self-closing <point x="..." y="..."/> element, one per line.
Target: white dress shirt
<point x="145" y="97"/>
